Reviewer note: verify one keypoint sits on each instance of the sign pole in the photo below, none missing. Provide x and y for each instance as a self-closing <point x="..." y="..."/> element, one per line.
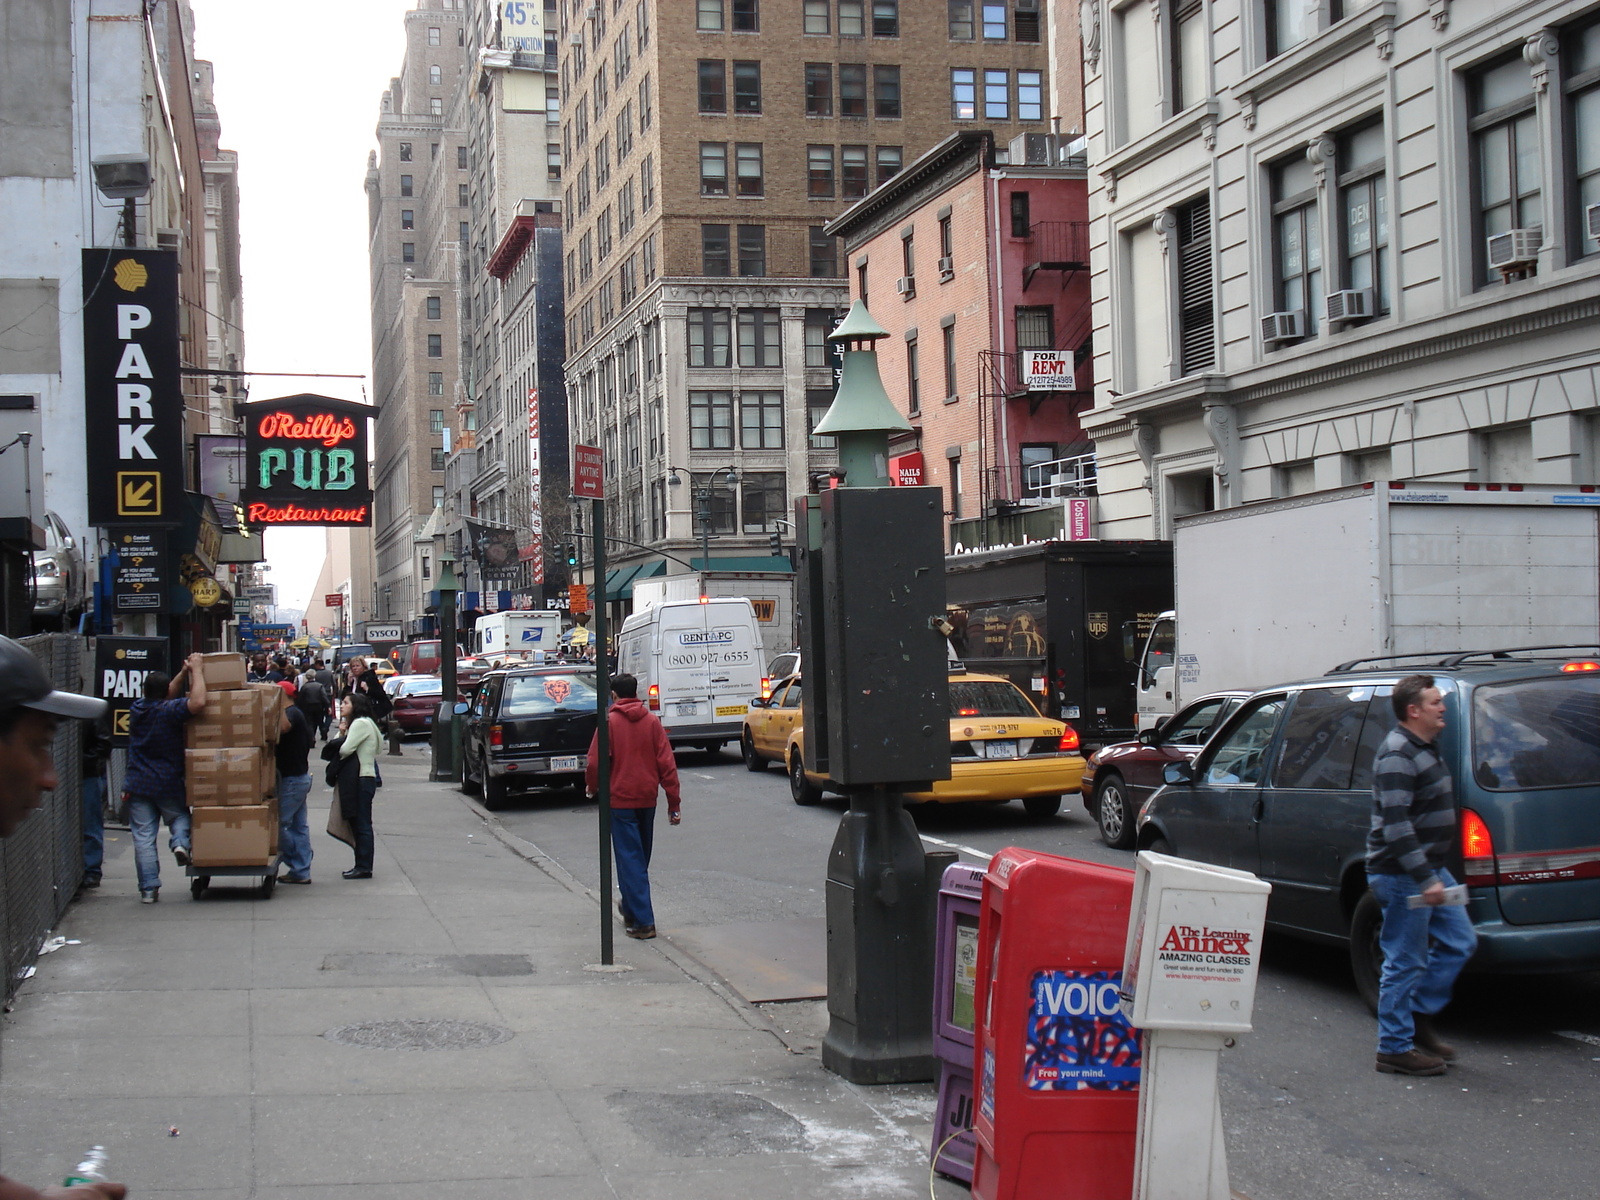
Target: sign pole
<point x="588" y="482"/>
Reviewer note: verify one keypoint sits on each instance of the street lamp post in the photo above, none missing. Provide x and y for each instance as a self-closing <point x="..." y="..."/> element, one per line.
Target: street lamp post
<point x="446" y="768"/>
<point x="702" y="495"/>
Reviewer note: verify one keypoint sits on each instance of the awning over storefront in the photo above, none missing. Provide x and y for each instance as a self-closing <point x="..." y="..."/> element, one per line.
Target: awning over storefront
<point x="619" y="583"/>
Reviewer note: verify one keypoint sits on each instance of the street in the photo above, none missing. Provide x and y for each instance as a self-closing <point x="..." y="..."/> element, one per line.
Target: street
<point x="1304" y="1111"/>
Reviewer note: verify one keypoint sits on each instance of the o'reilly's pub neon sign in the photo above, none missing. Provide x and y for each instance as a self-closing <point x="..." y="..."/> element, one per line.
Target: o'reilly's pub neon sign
<point x="306" y="462"/>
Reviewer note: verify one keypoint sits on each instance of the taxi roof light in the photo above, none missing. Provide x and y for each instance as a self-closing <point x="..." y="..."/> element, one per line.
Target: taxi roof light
<point x="1582" y="664"/>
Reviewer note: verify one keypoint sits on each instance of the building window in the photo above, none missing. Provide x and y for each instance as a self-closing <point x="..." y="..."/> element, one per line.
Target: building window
<point x="436" y="387"/>
<point x="647" y="257"/>
<point x="461" y="158"/>
<point x="710" y="420"/>
<point x="1296" y="242"/>
<point x="994" y="22"/>
<point x="819" y="324"/>
<point x="747" y="16"/>
<point x="714" y="250"/>
<point x="408" y="218"/>
<point x="766" y="500"/>
<point x="435" y="106"/>
<point x="434" y="308"/>
<point x="890" y="160"/>
<point x="961" y="20"/>
<point x="997" y="95"/>
<point x="1506" y="158"/>
<point x="886" y="18"/>
<point x="602" y="161"/>
<point x="824" y="254"/>
<point x="647" y="183"/>
<point x="713" y="86"/>
<point x="438" y="502"/>
<point x="1188" y="49"/>
<point x="752" y="250"/>
<point x="852" y="89"/>
<point x="963" y="94"/>
<point x="852" y="172"/>
<point x="747" y="87"/>
<point x="405" y="185"/>
<point x="713" y="168"/>
<point x="1289" y="22"/>
<point x="1035" y="326"/>
<point x="436" y="458"/>
<point x="747" y="156"/>
<point x="913" y="378"/>
<point x="1021" y="219"/>
<point x="408" y="252"/>
<point x="405" y="156"/>
<point x="852" y="18"/>
<point x="435" y="76"/>
<point x="761" y="420"/>
<point x="433" y="35"/>
<point x="646" y="110"/>
<point x="1025" y="23"/>
<point x="552" y="162"/>
<point x="716" y="513"/>
<point x="1364" y="214"/>
<point x="1197" y="349"/>
<point x="818" y="402"/>
<point x="947" y="244"/>
<point x="585" y="257"/>
<point x="1030" y="95"/>
<point x="816" y="16"/>
<point x="708" y="15"/>
<point x="819" y="172"/>
<point x="886" y="91"/>
<point x="949" y="338"/>
<point x="1582" y="87"/>
<point x="461" y="195"/>
<point x="624" y="132"/>
<point x="861" y="280"/>
<point x="602" y="233"/>
<point x="759" y="335"/>
<point x="435" y="345"/>
<point x="625" y="215"/>
<point x="955" y="487"/>
<point x="819" y="89"/>
<point x="461" y="232"/>
<point x="708" y="337"/>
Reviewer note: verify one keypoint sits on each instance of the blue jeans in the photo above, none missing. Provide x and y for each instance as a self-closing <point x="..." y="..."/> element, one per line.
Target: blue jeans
<point x="94" y="825"/>
<point x="632" y="836"/>
<point x="145" y="814"/>
<point x="1424" y="950"/>
<point x="294" y="836"/>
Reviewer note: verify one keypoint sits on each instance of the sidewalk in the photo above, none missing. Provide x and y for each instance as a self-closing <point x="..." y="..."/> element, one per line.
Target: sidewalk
<point x="230" y="1018"/>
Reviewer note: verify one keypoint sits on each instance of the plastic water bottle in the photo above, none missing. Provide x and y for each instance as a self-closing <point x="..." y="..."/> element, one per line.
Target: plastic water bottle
<point x="91" y="1170"/>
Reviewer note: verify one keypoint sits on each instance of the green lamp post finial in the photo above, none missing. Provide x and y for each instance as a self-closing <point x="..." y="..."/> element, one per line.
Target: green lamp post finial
<point x="862" y="416"/>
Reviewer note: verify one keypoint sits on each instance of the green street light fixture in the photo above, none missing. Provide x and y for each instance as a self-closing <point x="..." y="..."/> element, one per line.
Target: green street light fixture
<point x="702" y="495"/>
<point x="862" y="416"/>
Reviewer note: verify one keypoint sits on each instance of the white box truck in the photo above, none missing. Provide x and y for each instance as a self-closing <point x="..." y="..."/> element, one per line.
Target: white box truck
<point x="518" y="635"/>
<point x="1288" y="589"/>
<point x="771" y="595"/>
<point x="698" y="664"/>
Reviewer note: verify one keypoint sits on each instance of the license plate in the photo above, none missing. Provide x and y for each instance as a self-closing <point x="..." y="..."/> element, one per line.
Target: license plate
<point x="686" y="708"/>
<point x="428" y="719"/>
<point x="573" y="762"/>
<point x="732" y="710"/>
<point x="999" y="748"/>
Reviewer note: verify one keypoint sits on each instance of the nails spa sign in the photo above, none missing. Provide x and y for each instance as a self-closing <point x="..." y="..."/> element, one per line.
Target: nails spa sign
<point x="306" y="462"/>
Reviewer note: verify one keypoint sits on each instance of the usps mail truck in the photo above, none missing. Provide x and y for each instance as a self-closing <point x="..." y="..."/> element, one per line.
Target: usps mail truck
<point x="519" y="635"/>
<point x="698" y="663"/>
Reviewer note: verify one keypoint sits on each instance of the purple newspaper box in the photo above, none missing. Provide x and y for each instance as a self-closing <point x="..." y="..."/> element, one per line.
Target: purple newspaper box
<point x="954" y="1017"/>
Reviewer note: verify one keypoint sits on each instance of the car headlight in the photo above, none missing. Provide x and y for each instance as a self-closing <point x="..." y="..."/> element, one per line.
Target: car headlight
<point x="48" y="569"/>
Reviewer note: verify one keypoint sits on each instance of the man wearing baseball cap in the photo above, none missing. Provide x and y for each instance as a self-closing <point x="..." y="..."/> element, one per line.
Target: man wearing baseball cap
<point x="29" y="709"/>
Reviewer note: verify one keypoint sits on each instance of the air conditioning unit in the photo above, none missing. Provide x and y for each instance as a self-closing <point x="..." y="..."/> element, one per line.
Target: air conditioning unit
<point x="906" y="285"/>
<point x="1515" y="249"/>
<point x="593" y="13"/>
<point x="1031" y="149"/>
<point x="947" y="268"/>
<point x="1353" y="305"/>
<point x="575" y="38"/>
<point x="1283" y="326"/>
<point x="1028" y="6"/>
<point x="1592" y="214"/>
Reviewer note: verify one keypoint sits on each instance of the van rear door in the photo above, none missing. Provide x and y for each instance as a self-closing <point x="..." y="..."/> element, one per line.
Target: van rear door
<point x="707" y="664"/>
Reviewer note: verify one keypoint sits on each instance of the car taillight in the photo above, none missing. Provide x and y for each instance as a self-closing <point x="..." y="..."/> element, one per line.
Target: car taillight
<point x="1069" y="739"/>
<point x="655" y="697"/>
<point x="496" y="736"/>
<point x="1581" y="665"/>
<point x="1477" y="850"/>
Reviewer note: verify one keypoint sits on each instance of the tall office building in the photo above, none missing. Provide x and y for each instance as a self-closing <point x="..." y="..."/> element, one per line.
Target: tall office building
<point x="706" y="145"/>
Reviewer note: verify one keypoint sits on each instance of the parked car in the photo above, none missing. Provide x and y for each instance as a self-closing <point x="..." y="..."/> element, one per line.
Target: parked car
<point x="1001" y="748"/>
<point x="60" y="578"/>
<point x="1284" y="789"/>
<point x="416" y="700"/>
<point x="469" y="671"/>
<point x="528" y="727"/>
<point x="1119" y="778"/>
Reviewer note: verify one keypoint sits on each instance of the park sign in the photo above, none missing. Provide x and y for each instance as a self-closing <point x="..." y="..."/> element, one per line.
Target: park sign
<point x="306" y="462"/>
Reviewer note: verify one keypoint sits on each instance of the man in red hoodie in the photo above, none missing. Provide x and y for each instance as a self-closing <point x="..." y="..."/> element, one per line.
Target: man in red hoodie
<point x="641" y="763"/>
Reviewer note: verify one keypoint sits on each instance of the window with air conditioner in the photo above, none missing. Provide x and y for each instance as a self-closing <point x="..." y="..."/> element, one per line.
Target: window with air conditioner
<point x="1581" y="89"/>
<point x="1296" y="253"/>
<point x="1506" y="169"/>
<point x="1363" y="227"/>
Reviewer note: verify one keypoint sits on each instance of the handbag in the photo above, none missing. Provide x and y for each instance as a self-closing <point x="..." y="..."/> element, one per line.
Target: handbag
<point x="338" y="827"/>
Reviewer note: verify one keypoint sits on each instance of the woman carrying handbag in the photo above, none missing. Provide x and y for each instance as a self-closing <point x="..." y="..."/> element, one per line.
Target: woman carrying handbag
<point x="357" y="776"/>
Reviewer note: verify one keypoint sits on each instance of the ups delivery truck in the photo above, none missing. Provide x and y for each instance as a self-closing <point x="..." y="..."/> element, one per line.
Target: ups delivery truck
<point x="1050" y="617"/>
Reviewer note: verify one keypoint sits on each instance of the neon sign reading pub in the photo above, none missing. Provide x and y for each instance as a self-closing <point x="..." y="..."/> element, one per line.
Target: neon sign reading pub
<point x="307" y="462"/>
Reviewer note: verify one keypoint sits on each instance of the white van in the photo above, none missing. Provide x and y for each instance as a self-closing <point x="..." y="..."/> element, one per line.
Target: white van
<point x="518" y="635"/>
<point x="698" y="663"/>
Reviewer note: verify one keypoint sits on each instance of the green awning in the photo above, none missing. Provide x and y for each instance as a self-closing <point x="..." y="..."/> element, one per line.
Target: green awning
<point x="772" y="564"/>
<point x="619" y="583"/>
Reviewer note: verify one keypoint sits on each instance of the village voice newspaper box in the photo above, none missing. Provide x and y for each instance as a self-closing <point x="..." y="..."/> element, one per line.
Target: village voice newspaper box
<point x="1189" y="982"/>
<point x="1057" y="1061"/>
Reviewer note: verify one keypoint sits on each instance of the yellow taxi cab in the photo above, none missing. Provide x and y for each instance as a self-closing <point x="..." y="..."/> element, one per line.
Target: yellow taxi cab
<point x="1001" y="748"/>
<point x="381" y="667"/>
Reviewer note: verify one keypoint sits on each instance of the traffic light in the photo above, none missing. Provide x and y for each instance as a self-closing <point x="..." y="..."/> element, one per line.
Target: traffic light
<point x="572" y="554"/>
<point x="775" y="540"/>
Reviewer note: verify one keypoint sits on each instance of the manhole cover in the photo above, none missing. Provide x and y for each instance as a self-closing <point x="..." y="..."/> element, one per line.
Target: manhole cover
<point x="696" y="1124"/>
<point x="419" y="1035"/>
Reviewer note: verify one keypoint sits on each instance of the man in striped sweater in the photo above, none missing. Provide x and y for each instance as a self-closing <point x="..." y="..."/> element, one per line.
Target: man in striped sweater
<point x="1413" y="828"/>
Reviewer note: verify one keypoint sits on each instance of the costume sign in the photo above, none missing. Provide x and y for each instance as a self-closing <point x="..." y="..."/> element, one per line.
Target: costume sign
<point x="306" y="462"/>
<point x="132" y="389"/>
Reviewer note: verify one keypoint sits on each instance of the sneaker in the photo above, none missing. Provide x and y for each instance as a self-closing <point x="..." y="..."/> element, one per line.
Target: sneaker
<point x="181" y="853"/>
<point x="643" y="932"/>
<point x="150" y="897"/>
<point x="1412" y="1062"/>
<point x="1428" y="1040"/>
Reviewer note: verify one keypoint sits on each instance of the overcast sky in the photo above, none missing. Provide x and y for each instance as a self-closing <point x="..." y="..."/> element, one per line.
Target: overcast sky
<point x="299" y="102"/>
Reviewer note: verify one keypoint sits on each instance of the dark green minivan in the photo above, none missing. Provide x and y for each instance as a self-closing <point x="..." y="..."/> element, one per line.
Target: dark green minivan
<point x="1284" y="789"/>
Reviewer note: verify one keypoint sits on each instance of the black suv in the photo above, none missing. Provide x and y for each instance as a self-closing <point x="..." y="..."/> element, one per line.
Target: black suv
<point x="1284" y="789"/>
<point x="527" y="727"/>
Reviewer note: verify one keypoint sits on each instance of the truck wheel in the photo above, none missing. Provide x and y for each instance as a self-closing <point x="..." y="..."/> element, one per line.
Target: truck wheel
<point x="1040" y="807"/>
<point x="495" y="790"/>
<point x="1366" y="955"/>
<point x="753" y="762"/>
<point x="801" y="788"/>
<point x="1114" y="814"/>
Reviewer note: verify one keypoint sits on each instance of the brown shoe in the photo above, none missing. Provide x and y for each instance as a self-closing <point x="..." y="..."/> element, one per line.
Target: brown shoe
<point x="643" y="932"/>
<point x="1428" y="1040"/>
<point x="1412" y="1062"/>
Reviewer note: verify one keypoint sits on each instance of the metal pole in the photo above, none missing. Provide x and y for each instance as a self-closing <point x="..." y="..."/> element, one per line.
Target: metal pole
<point x="449" y="770"/>
<point x="602" y="663"/>
<point x="705" y="534"/>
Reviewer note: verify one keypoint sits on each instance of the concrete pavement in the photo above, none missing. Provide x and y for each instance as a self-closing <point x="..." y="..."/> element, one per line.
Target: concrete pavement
<point x="440" y="1024"/>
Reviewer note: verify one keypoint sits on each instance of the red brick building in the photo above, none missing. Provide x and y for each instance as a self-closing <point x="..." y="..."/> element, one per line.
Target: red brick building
<point x="979" y="270"/>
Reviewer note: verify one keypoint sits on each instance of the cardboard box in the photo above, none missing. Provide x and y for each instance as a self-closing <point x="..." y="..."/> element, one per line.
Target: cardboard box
<point x="269" y="775"/>
<point x="228" y="776"/>
<point x="234" y="836"/>
<point x="230" y="719"/>
<point x="273" y="700"/>
<point x="223" y="672"/>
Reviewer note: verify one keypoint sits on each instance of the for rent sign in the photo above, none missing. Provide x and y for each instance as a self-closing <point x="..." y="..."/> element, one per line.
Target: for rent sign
<point x="306" y="462"/>
<point x="1048" y="371"/>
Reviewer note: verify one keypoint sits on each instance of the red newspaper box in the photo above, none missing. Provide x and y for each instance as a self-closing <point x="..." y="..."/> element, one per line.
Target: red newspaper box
<point x="1057" y="1064"/>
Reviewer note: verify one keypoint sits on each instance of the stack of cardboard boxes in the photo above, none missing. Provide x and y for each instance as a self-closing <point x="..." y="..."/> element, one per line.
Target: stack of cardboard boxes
<point x="231" y="768"/>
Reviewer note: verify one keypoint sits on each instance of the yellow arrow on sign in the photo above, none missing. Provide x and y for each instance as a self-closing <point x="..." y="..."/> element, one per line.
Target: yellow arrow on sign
<point x="136" y="494"/>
